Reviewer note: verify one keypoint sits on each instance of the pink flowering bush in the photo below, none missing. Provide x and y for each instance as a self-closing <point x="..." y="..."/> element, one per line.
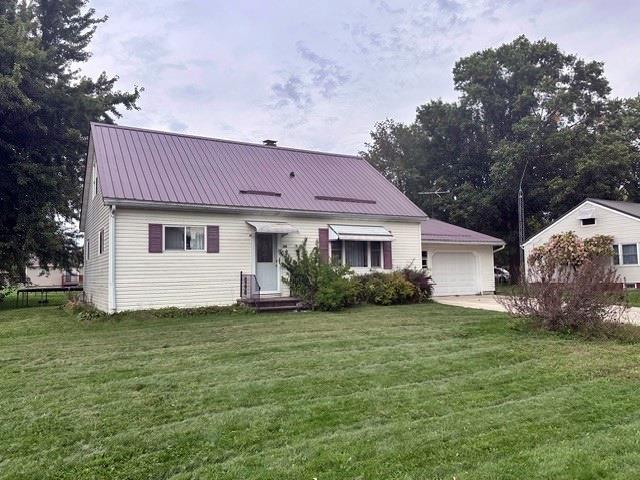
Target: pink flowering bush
<point x="571" y="285"/>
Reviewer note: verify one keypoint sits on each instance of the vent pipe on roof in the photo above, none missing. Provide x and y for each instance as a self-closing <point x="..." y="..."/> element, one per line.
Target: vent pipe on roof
<point x="270" y="143"/>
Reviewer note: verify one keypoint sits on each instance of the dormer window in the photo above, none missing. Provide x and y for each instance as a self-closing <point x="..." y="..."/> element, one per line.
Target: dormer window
<point x="588" y="221"/>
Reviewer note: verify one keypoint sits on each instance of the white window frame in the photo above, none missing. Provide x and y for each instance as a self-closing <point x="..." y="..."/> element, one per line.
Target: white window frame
<point x="184" y="239"/>
<point x="94" y="181"/>
<point x="344" y="259"/>
<point x="424" y="259"/>
<point x="582" y="224"/>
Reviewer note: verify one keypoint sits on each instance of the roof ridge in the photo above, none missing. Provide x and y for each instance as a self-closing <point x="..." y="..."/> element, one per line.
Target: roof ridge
<point x="215" y="139"/>
<point x="593" y="199"/>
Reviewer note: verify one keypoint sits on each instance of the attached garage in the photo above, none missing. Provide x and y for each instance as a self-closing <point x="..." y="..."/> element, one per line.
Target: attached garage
<point x="459" y="260"/>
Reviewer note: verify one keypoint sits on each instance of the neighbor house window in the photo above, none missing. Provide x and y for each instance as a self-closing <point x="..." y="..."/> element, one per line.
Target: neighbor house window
<point x="630" y="254"/>
<point x="376" y="254"/>
<point x="588" y="221"/>
<point x="184" y="238"/>
<point x="425" y="263"/>
<point x="616" y="254"/>
<point x="87" y="249"/>
<point x="101" y="242"/>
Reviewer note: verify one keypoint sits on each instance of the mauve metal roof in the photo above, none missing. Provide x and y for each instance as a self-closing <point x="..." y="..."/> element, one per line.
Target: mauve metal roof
<point x="149" y="166"/>
<point x="438" y="231"/>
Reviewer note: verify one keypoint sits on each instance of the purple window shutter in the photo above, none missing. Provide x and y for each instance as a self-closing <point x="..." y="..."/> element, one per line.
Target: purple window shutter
<point x="155" y="238"/>
<point x="387" y="260"/>
<point x="323" y="240"/>
<point x="213" y="239"/>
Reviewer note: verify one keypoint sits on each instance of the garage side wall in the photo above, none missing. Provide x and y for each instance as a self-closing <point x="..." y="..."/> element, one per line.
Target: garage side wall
<point x="484" y="281"/>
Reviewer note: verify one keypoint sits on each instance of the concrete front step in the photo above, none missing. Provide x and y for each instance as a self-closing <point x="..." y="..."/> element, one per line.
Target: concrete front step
<point x="272" y="303"/>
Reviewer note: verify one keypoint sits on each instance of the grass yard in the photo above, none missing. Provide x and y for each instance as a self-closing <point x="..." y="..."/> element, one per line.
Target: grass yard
<point x="408" y="392"/>
<point x="633" y="297"/>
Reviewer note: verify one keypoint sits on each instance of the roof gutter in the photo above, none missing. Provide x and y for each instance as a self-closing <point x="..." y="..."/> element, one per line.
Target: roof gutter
<point x="500" y="244"/>
<point x="502" y="247"/>
<point x="271" y="211"/>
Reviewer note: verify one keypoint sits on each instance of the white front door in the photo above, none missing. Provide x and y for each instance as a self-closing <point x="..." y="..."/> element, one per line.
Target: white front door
<point x="267" y="262"/>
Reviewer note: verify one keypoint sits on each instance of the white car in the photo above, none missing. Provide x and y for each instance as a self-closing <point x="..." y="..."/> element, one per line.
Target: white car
<point x="501" y="275"/>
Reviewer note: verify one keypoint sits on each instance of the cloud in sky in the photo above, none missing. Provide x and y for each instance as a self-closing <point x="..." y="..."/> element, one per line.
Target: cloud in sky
<point x="320" y="74"/>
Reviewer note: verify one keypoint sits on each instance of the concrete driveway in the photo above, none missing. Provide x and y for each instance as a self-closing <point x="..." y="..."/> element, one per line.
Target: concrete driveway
<point x="490" y="302"/>
<point x="482" y="302"/>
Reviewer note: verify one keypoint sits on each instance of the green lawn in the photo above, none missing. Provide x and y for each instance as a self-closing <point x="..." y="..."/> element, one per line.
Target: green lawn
<point x="633" y="297"/>
<point x="409" y="392"/>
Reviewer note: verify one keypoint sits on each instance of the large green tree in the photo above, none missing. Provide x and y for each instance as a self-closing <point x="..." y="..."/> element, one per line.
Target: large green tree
<point x="524" y="107"/>
<point x="45" y="109"/>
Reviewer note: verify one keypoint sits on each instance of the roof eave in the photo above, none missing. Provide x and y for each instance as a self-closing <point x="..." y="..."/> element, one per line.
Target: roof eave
<point x="119" y="202"/>
<point x="462" y="242"/>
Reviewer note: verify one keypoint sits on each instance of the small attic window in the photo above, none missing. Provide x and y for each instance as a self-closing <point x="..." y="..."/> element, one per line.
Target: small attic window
<point x="588" y="221"/>
<point x="94" y="181"/>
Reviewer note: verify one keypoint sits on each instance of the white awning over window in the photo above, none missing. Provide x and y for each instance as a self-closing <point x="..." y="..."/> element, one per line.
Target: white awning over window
<point x="359" y="232"/>
<point x="273" y="227"/>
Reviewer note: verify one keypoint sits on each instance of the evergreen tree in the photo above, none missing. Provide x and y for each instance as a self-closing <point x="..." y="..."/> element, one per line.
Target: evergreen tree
<point x="46" y="105"/>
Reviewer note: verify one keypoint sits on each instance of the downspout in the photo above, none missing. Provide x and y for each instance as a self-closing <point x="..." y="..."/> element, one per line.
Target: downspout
<point x="501" y="248"/>
<point x="112" y="261"/>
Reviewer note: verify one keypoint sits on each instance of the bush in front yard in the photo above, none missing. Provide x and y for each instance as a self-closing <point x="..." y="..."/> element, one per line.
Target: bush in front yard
<point x="571" y="286"/>
<point x="422" y="283"/>
<point x="386" y="288"/>
<point x="336" y="293"/>
<point x="320" y="285"/>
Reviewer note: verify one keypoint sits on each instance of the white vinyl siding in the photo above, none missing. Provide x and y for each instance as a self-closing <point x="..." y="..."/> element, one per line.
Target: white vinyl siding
<point x="624" y="229"/>
<point x="482" y="256"/>
<point x="96" y="267"/>
<point x="184" y="279"/>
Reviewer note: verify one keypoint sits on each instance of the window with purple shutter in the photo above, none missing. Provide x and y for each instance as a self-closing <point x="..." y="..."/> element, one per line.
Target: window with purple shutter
<point x="323" y="244"/>
<point x="387" y="260"/>
<point x="213" y="239"/>
<point x="155" y="238"/>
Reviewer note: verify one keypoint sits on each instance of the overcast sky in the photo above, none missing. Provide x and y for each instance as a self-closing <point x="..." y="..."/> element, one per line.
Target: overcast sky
<point x="318" y="75"/>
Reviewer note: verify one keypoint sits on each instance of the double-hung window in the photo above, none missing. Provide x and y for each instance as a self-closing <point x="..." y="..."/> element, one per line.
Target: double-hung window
<point x="358" y="254"/>
<point x="355" y="253"/>
<point x="630" y="254"/>
<point x="375" y="249"/>
<point x="184" y="238"/>
<point x="336" y="252"/>
<point x="616" y="254"/>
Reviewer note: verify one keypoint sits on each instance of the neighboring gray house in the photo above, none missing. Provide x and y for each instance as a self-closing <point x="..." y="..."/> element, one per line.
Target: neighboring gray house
<point x="459" y="260"/>
<point x="594" y="216"/>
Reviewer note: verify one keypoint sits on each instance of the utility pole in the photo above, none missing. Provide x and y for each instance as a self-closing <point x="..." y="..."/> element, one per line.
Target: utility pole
<point x="437" y="192"/>
<point x="521" y="231"/>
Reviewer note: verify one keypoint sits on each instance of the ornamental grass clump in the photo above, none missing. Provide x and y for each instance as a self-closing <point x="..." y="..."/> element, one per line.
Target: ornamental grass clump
<point x="571" y="286"/>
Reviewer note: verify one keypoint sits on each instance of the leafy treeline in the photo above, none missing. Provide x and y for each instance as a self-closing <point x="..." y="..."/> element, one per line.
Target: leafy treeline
<point x="524" y="102"/>
<point x="45" y="109"/>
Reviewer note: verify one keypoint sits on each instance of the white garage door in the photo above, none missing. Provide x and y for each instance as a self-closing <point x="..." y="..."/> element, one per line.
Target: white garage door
<point x="454" y="273"/>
